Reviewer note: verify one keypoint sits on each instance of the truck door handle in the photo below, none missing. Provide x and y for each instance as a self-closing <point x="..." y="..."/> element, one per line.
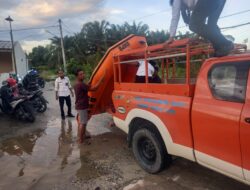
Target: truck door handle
<point x="247" y="120"/>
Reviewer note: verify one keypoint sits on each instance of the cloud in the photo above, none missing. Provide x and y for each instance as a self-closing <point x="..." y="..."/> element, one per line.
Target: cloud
<point x="117" y="11"/>
<point x="28" y="45"/>
<point x="39" y="12"/>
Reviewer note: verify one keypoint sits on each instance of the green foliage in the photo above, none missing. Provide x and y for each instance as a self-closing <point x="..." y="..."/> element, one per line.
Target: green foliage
<point x="85" y="49"/>
<point x="88" y="66"/>
<point x="38" y="56"/>
<point x="156" y="37"/>
<point x="73" y="65"/>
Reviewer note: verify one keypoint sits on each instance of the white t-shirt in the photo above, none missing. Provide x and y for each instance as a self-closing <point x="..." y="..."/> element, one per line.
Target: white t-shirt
<point x="62" y="86"/>
<point x="176" y="12"/>
<point x="142" y="69"/>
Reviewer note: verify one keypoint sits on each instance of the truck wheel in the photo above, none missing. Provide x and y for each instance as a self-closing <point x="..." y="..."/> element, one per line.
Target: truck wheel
<point x="149" y="152"/>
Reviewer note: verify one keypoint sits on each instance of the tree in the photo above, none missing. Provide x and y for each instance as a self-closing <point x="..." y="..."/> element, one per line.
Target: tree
<point x="86" y="48"/>
<point x="156" y="37"/>
<point x="38" y="56"/>
<point x="95" y="33"/>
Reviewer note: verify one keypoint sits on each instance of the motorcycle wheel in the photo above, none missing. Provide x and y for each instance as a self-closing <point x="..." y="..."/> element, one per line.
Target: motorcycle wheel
<point x="42" y="83"/>
<point x="30" y="115"/>
<point x="43" y="105"/>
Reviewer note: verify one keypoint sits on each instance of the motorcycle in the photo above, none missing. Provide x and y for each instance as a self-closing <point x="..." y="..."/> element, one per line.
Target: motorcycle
<point x="41" y="82"/>
<point x="20" y="107"/>
<point x="36" y="98"/>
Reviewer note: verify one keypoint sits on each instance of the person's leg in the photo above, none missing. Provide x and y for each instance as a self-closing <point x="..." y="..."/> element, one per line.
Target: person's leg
<point x="79" y="128"/>
<point x="81" y="132"/>
<point x="213" y="20"/>
<point x="210" y="9"/>
<point x="61" y="103"/>
<point x="215" y="15"/>
<point x="198" y="18"/>
<point x="68" y="102"/>
<point x="83" y="119"/>
<point x="222" y="46"/>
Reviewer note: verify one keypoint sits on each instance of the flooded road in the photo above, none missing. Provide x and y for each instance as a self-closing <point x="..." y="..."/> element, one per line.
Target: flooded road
<point x="46" y="155"/>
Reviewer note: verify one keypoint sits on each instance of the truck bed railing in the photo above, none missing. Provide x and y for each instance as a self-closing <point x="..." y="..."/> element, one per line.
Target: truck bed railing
<point x="186" y="51"/>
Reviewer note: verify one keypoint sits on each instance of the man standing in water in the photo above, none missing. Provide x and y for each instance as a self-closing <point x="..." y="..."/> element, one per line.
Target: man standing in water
<point x="82" y="102"/>
<point x="63" y="91"/>
<point x="202" y="17"/>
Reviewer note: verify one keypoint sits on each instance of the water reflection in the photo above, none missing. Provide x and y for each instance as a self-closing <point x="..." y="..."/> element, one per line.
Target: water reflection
<point x="21" y="144"/>
<point x="65" y="143"/>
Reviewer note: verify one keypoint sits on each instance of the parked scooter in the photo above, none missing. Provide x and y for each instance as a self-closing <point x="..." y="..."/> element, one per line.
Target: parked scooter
<point x="20" y="106"/>
<point x="36" y="97"/>
<point x="41" y="82"/>
<point x="32" y="81"/>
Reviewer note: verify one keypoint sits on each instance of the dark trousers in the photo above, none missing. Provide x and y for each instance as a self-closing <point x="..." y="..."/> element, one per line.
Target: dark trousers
<point x="142" y="79"/>
<point x="204" y="21"/>
<point x="68" y="102"/>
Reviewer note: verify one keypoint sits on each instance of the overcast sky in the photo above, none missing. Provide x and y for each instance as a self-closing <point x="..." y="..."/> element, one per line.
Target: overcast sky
<point x="74" y="13"/>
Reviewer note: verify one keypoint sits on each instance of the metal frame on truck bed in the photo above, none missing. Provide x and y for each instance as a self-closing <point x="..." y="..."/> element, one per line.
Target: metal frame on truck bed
<point x="187" y="52"/>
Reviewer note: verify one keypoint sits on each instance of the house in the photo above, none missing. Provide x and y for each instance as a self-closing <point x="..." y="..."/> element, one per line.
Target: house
<point x="6" y="59"/>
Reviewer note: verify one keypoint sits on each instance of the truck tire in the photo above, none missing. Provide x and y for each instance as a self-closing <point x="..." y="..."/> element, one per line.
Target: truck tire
<point x="149" y="152"/>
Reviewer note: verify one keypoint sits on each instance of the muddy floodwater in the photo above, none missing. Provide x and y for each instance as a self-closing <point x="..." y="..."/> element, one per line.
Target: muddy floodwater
<point x="45" y="155"/>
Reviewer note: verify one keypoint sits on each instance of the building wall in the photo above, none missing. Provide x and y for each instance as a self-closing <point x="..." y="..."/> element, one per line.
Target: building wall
<point x="6" y="62"/>
<point x="21" y="60"/>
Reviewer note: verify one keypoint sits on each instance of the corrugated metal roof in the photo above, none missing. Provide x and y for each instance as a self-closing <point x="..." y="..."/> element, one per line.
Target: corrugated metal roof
<point x="5" y="45"/>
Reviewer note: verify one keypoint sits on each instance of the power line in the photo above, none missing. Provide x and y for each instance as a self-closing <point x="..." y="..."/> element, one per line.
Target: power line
<point x="74" y="40"/>
<point x="235" y="26"/>
<point x="149" y="15"/>
<point x="226" y="16"/>
<point x="234" y="14"/>
<point x="32" y="28"/>
<point x="68" y="29"/>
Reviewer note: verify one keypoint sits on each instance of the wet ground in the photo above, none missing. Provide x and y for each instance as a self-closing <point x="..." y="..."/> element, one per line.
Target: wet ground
<point x="45" y="155"/>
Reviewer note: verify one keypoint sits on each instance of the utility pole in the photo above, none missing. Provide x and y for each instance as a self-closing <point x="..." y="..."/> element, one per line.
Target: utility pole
<point x="9" y="19"/>
<point x="62" y="46"/>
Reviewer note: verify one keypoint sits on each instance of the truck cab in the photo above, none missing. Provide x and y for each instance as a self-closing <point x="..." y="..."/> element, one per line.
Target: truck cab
<point x="199" y="111"/>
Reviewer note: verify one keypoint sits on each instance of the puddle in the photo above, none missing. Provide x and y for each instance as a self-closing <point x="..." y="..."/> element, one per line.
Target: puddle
<point x="52" y="149"/>
<point x="22" y="144"/>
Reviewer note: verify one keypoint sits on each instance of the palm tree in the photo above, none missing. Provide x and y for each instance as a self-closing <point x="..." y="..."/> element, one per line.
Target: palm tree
<point x="137" y="29"/>
<point x="156" y="37"/>
<point x="95" y="34"/>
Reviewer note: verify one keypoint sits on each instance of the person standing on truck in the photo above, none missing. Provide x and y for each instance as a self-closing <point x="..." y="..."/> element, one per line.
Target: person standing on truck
<point x="202" y="17"/>
<point x="63" y="91"/>
<point x="82" y="103"/>
<point x="141" y="72"/>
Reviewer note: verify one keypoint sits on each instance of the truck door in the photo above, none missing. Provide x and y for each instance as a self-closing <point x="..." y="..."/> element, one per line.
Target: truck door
<point x="216" y="114"/>
<point x="245" y="134"/>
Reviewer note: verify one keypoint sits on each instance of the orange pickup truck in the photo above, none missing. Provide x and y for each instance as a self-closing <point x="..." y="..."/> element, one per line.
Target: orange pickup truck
<point x="200" y="111"/>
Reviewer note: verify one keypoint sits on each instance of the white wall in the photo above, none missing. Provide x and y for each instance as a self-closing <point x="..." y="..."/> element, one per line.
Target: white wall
<point x="21" y="60"/>
<point x="3" y="77"/>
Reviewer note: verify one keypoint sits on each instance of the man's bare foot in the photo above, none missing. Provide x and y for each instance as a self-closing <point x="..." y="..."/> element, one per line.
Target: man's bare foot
<point x="87" y="142"/>
<point x="87" y="137"/>
<point x="84" y="141"/>
<point x="80" y="141"/>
